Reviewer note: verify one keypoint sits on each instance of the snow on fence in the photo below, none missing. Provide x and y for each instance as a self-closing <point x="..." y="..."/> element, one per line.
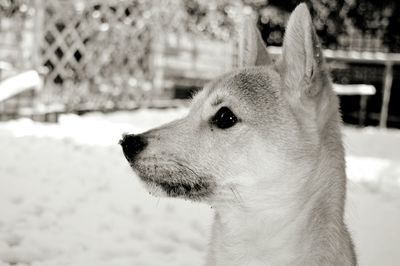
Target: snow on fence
<point x="29" y="80"/>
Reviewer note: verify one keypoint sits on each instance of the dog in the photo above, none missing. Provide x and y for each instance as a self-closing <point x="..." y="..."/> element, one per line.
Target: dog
<point x="261" y="145"/>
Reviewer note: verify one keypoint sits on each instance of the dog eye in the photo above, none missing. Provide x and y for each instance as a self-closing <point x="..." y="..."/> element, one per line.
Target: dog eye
<point x="224" y="118"/>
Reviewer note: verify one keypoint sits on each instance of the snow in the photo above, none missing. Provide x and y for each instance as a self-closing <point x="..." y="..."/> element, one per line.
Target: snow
<point x="67" y="197"/>
<point x="24" y="81"/>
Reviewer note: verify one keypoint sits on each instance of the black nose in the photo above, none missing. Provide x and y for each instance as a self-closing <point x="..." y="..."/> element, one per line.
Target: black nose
<point x="132" y="145"/>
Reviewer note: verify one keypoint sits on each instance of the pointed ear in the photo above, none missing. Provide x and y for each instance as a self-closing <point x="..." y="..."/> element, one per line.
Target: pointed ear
<point x="252" y="51"/>
<point x="302" y="56"/>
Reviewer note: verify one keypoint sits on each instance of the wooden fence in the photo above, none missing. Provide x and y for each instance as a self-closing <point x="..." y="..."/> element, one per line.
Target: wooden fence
<point x="112" y="54"/>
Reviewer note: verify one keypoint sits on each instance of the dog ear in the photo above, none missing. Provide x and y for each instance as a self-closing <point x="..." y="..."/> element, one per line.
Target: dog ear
<point x="302" y="55"/>
<point x="253" y="50"/>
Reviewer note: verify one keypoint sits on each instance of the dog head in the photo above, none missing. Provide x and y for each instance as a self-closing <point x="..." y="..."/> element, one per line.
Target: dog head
<point x="257" y="127"/>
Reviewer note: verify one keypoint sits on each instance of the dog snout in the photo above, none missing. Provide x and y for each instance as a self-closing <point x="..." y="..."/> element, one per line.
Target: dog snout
<point x="132" y="145"/>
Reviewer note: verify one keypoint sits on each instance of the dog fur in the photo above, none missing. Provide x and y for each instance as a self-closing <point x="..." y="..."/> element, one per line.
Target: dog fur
<point x="276" y="179"/>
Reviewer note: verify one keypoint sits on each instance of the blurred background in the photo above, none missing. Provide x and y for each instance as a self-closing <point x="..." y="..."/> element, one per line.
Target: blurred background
<point x="122" y="55"/>
<point x="75" y="74"/>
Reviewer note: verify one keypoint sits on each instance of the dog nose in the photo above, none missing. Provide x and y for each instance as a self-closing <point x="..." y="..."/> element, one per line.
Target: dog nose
<point x="132" y="145"/>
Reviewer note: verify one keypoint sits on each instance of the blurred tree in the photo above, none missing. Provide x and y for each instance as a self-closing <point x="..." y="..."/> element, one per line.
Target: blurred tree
<point x="210" y="17"/>
<point x="8" y="7"/>
<point x="392" y="34"/>
<point x="214" y="18"/>
<point x="380" y="18"/>
<point x="335" y="19"/>
<point x="328" y="17"/>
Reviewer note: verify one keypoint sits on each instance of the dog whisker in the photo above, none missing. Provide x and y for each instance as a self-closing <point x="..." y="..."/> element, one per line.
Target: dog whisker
<point x="240" y="196"/>
<point x="234" y="194"/>
<point x="158" y="201"/>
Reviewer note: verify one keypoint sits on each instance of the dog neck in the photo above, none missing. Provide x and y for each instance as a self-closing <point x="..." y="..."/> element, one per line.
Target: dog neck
<point x="302" y="227"/>
<point x="248" y="236"/>
<point x="305" y="234"/>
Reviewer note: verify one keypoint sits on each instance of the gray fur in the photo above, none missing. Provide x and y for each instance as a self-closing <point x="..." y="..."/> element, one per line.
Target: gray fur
<point x="277" y="178"/>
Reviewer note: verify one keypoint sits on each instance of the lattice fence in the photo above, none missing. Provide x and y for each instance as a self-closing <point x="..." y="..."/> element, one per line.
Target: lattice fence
<point x="96" y="52"/>
<point x="118" y="54"/>
<point x="102" y="54"/>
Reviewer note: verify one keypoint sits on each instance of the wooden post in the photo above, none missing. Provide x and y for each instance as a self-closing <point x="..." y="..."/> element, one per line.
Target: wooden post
<point x="363" y="110"/>
<point x="38" y="33"/>
<point x="36" y="54"/>
<point x="157" y="67"/>
<point x="387" y="85"/>
<point x="238" y="17"/>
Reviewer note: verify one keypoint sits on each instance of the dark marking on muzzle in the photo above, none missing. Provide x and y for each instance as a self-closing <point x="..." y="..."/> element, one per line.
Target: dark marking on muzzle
<point x="192" y="190"/>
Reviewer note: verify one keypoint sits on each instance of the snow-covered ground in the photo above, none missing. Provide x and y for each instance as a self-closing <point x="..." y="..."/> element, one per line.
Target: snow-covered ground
<point x="67" y="197"/>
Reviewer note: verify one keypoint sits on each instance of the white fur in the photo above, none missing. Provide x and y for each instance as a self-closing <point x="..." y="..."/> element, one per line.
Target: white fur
<point x="276" y="179"/>
<point x="271" y="223"/>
